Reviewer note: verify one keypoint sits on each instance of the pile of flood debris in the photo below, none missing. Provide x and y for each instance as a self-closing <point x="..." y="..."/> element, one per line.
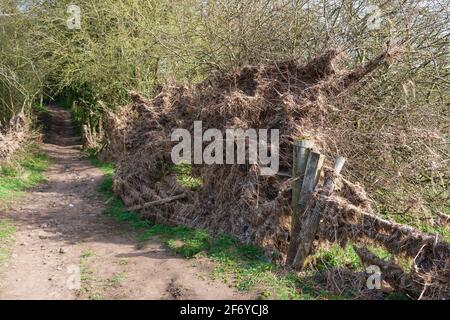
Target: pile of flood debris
<point x="238" y="199"/>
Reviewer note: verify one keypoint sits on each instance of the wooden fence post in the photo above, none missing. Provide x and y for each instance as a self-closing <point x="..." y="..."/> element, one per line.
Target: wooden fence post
<point x="311" y="219"/>
<point x="301" y="152"/>
<point x="310" y="179"/>
<point x="312" y="175"/>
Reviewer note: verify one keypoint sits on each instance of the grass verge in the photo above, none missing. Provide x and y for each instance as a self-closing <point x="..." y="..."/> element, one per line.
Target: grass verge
<point x="24" y="171"/>
<point x="7" y="231"/>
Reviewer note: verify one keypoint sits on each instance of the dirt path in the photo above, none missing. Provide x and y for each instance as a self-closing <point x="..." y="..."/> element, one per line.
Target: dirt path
<point x="61" y="231"/>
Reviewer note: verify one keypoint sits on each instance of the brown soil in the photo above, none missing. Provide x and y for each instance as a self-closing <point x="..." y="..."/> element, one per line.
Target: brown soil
<point x="61" y="228"/>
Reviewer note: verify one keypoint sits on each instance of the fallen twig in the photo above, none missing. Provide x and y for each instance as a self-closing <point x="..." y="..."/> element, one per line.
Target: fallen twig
<point x="158" y="202"/>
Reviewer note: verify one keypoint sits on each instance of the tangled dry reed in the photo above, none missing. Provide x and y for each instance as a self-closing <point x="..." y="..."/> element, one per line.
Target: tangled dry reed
<point x="236" y="199"/>
<point x="13" y="135"/>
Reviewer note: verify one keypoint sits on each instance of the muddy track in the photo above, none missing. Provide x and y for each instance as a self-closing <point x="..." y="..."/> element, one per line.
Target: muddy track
<point x="62" y="232"/>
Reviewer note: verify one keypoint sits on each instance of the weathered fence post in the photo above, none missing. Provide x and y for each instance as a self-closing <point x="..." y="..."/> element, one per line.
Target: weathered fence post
<point x="311" y="218"/>
<point x="311" y="177"/>
<point x="300" y="159"/>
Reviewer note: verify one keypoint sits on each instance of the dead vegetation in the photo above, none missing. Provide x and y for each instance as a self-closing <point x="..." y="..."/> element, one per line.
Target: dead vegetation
<point x="13" y="136"/>
<point x="235" y="199"/>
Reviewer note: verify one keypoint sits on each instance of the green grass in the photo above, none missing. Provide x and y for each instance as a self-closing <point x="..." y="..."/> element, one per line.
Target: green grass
<point x="84" y="270"/>
<point x="116" y="279"/>
<point x="242" y="266"/>
<point x="89" y="282"/>
<point x="7" y="230"/>
<point x="38" y="108"/>
<point x="86" y="254"/>
<point x="333" y="256"/>
<point x="185" y="178"/>
<point x="24" y="171"/>
<point x="93" y="286"/>
<point x="21" y="173"/>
